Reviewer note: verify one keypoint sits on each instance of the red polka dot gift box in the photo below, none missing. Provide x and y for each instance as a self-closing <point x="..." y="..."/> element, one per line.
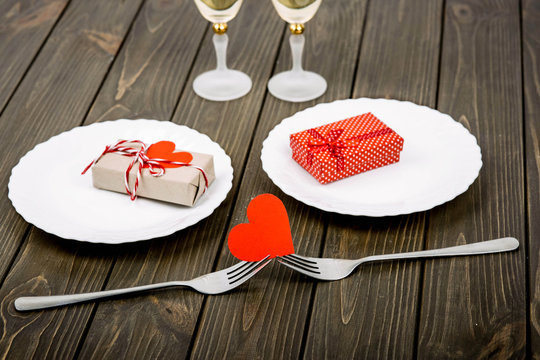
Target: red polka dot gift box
<point x="346" y="147"/>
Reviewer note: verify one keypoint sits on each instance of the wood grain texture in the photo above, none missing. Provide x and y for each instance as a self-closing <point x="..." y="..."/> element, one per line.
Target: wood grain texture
<point x="475" y="307"/>
<point x="152" y="68"/>
<point x="531" y="86"/>
<point x="468" y="307"/>
<point x="73" y="63"/>
<point x="26" y="22"/>
<point x="163" y="322"/>
<point x="80" y="45"/>
<point x="268" y="320"/>
<point x="62" y="267"/>
<point x="373" y="312"/>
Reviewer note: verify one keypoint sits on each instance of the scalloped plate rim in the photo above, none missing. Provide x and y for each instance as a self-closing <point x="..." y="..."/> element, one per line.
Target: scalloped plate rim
<point x="372" y="211"/>
<point x="149" y="234"/>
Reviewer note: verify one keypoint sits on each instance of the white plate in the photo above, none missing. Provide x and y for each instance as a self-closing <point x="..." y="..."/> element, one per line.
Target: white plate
<point x="439" y="161"/>
<point x="47" y="188"/>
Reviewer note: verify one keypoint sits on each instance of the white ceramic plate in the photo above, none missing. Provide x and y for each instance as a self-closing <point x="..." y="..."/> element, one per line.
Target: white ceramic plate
<point x="439" y="161"/>
<point x="47" y="188"/>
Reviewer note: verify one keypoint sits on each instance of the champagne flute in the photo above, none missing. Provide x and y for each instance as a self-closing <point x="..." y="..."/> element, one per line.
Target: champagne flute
<point x="221" y="84"/>
<point x="297" y="85"/>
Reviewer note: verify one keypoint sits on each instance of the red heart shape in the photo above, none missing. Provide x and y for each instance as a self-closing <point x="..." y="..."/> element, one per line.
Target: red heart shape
<point x="165" y="150"/>
<point x="267" y="233"/>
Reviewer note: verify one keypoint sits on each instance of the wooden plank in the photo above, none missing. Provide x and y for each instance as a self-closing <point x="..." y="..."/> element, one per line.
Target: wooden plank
<point x="152" y="51"/>
<point x="79" y="45"/>
<point x="151" y="70"/>
<point x="72" y="63"/>
<point x="25" y="22"/>
<point x="165" y="321"/>
<point x="475" y="307"/>
<point x="531" y="85"/>
<point x="268" y="319"/>
<point x="373" y="312"/>
<point x="49" y="265"/>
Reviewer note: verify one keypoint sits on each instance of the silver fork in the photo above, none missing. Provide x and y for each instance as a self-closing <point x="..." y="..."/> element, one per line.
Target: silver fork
<point x="335" y="269"/>
<point x="212" y="283"/>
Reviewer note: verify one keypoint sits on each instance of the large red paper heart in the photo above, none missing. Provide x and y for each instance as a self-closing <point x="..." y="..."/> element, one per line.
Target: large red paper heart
<point x="165" y="150"/>
<point x="267" y="233"/>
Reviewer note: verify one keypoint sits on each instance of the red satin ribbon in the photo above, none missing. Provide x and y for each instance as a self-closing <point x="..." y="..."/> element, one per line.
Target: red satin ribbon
<point x="334" y="145"/>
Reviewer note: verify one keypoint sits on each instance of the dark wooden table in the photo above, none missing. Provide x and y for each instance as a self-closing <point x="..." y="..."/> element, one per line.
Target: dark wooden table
<point x="66" y="63"/>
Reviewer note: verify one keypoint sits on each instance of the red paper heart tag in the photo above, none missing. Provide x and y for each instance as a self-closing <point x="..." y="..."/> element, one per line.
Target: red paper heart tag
<point x="165" y="150"/>
<point x="267" y="233"/>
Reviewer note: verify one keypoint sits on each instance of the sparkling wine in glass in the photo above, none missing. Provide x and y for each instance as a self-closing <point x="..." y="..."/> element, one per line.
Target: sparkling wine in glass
<point x="297" y="85"/>
<point x="221" y="84"/>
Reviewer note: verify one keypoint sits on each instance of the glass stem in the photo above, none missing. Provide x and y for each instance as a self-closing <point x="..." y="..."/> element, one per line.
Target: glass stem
<point x="220" y="44"/>
<point x="297" y="47"/>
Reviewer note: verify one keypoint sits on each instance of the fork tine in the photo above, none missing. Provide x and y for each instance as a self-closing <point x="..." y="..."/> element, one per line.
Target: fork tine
<point x="249" y="271"/>
<point x="298" y="267"/>
<point x="238" y="267"/>
<point x="301" y="262"/>
<point x="302" y="259"/>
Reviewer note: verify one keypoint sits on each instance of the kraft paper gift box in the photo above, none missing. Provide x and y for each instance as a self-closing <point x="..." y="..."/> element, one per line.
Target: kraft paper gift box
<point x="180" y="185"/>
<point x="346" y="147"/>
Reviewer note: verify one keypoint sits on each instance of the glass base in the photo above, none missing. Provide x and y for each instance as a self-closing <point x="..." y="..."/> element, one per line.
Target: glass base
<point x="222" y="85"/>
<point x="297" y="86"/>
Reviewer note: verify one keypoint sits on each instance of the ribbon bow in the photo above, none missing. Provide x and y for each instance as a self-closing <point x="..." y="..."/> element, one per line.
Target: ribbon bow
<point x="335" y="145"/>
<point x="331" y="143"/>
<point x="154" y="165"/>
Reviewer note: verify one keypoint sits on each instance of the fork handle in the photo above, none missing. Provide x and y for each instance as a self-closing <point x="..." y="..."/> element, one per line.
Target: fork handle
<point x="43" y="302"/>
<point x="482" y="247"/>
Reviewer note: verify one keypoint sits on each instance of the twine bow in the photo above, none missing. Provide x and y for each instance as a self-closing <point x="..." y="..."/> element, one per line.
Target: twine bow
<point x="154" y="165"/>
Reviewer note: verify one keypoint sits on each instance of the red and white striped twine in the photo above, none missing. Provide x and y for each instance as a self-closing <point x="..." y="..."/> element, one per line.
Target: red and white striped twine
<point x="154" y="165"/>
